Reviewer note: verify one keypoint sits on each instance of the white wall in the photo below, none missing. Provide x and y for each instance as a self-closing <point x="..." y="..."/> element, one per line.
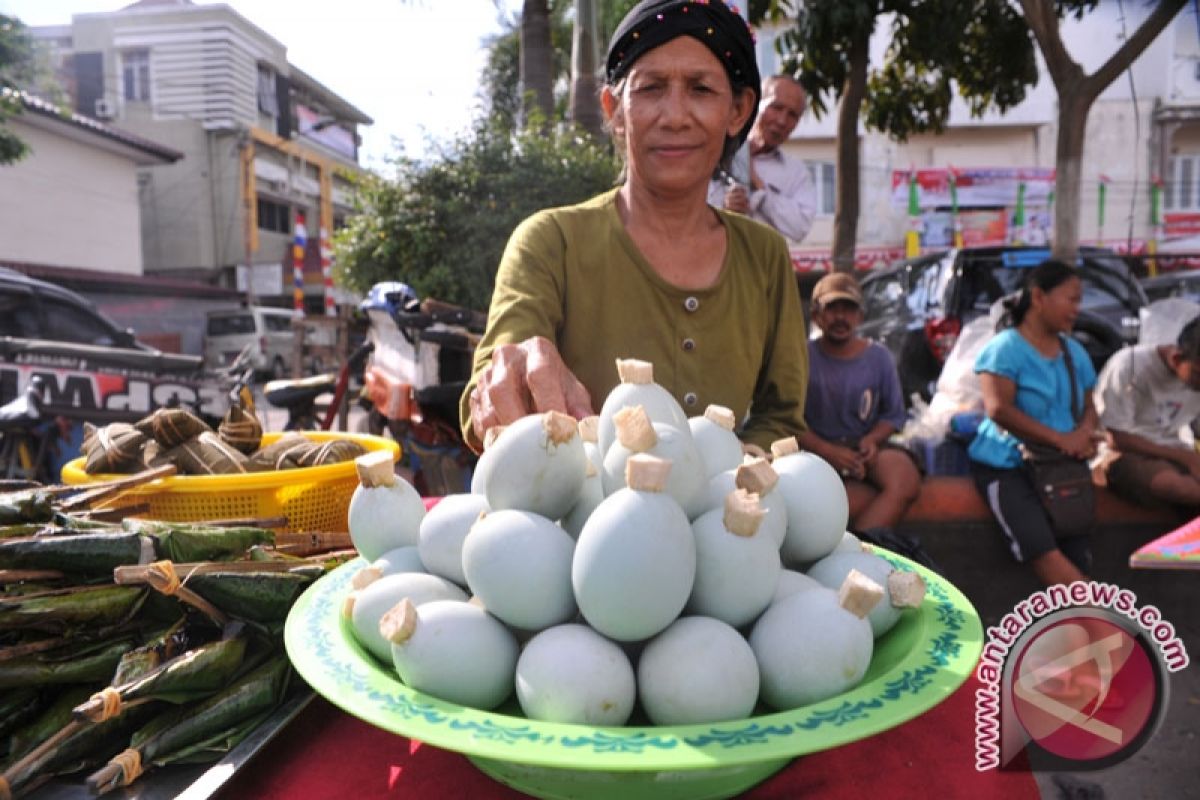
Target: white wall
<point x="69" y="204"/>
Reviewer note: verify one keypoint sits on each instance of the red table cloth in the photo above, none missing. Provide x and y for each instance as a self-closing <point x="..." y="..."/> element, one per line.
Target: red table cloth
<point x="325" y="753"/>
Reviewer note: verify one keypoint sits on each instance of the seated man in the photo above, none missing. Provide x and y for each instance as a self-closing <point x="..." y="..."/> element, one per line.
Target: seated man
<point x="1145" y="395"/>
<point x="854" y="404"/>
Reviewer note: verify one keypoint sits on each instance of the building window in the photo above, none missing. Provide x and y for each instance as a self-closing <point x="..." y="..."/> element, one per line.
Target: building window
<point x="1182" y="186"/>
<point x="268" y="100"/>
<point x="272" y="216"/>
<point x="825" y="177"/>
<point x="135" y="71"/>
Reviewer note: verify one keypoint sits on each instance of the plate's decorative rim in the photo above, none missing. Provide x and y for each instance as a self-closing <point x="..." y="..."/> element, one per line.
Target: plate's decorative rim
<point x="948" y="646"/>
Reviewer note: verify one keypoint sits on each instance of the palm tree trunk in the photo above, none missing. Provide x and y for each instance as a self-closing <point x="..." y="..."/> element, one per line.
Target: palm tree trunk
<point x="585" y="100"/>
<point x="537" y="73"/>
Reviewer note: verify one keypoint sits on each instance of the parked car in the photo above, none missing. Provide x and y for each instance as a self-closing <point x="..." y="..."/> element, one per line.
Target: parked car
<point x="91" y="368"/>
<point x="1181" y="283"/>
<point x="917" y="307"/>
<point x="268" y="331"/>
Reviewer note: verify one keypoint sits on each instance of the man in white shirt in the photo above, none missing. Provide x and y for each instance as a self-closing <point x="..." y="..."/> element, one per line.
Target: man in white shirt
<point x="767" y="185"/>
<point x="1145" y="395"/>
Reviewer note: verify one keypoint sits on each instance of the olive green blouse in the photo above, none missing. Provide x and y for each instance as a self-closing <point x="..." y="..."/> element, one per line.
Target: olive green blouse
<point x="574" y="276"/>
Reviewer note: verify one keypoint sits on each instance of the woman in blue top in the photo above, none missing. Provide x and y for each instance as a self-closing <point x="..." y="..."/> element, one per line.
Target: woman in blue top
<point x="1027" y="398"/>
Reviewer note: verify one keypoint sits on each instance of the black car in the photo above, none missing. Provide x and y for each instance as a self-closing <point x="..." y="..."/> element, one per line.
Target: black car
<point x="91" y="368"/>
<point x="917" y="307"/>
<point x="34" y="309"/>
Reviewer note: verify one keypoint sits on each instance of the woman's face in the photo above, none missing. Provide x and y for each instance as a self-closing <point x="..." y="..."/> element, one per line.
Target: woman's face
<point x="1059" y="307"/>
<point x="673" y="112"/>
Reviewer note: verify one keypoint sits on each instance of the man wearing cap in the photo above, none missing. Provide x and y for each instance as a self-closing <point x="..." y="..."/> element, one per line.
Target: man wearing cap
<point x="763" y="183"/>
<point x="854" y="405"/>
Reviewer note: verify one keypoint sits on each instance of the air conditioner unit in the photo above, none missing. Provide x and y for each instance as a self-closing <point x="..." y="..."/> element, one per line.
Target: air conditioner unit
<point x="105" y="108"/>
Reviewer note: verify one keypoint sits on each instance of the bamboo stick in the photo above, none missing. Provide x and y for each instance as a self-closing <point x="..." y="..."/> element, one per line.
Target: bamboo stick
<point x="139" y="573"/>
<point x="96" y="493"/>
<point x="312" y="542"/>
<point x="19" y="575"/>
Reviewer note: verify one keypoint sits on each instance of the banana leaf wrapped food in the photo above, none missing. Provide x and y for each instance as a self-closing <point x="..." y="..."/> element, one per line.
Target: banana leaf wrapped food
<point x="17" y="706"/>
<point x="73" y="748"/>
<point x="207" y="454"/>
<point x="263" y="597"/>
<point x="333" y="451"/>
<point x="91" y="663"/>
<point x="87" y="553"/>
<point x="114" y="448"/>
<point x="171" y="427"/>
<point x="193" y="674"/>
<point x="183" y="542"/>
<point x="25" y="506"/>
<point x="51" y="717"/>
<point x="208" y="727"/>
<point x="99" y="551"/>
<point x="241" y="428"/>
<point x="283" y="453"/>
<point x="63" y="609"/>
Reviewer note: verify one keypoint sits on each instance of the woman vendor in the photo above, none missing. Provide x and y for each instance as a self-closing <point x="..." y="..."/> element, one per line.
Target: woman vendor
<point x="649" y="270"/>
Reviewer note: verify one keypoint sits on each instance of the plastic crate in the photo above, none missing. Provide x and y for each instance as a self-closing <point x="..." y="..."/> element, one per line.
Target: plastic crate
<point x="311" y="498"/>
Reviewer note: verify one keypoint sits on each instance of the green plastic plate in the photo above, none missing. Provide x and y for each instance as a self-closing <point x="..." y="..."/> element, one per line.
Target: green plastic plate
<point x="916" y="665"/>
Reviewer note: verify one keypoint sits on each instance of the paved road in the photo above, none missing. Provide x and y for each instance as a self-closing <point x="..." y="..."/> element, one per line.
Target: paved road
<point x="974" y="559"/>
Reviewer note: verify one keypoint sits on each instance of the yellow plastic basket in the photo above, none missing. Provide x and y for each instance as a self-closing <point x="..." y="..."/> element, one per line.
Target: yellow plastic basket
<point x="311" y="498"/>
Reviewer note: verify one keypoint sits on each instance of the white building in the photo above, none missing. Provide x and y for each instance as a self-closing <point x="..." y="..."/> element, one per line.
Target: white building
<point x="266" y="144"/>
<point x="1145" y="126"/>
<point x="73" y="200"/>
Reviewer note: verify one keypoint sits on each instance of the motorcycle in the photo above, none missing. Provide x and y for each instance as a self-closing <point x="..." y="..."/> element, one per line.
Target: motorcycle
<point x="419" y="366"/>
<point x="299" y="396"/>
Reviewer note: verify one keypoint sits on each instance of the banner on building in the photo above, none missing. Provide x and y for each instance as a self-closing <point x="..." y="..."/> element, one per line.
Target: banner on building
<point x="987" y="187"/>
<point x="1181" y="224"/>
<point x="864" y="258"/>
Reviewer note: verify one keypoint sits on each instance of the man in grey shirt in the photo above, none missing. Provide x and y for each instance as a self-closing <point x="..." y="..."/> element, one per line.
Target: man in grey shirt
<point x="763" y="183"/>
<point x="1145" y="395"/>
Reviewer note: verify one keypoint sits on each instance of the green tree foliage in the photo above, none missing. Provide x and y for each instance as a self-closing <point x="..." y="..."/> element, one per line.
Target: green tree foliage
<point x="441" y="225"/>
<point x="980" y="49"/>
<point x="16" y="69"/>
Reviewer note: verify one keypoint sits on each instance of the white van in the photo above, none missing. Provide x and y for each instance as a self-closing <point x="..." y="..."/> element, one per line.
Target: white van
<point x="267" y="330"/>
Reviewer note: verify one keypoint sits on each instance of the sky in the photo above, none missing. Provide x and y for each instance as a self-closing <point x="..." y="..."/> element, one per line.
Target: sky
<point x="410" y="65"/>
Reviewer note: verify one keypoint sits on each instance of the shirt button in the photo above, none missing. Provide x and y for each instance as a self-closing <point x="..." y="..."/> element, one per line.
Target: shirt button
<point x="689" y="345"/>
<point x="690" y="399"/>
<point x="691" y="304"/>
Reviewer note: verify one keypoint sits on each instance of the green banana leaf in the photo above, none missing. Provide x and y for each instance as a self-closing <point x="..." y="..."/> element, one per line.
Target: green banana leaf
<point x="94" y="663"/>
<point x="159" y="646"/>
<point x="16" y="708"/>
<point x="260" y="553"/>
<point x="23" y="529"/>
<point x="192" y="675"/>
<point x="85" y="747"/>
<point x="74" y="522"/>
<point x="29" y="505"/>
<point x="215" y="747"/>
<point x="257" y="596"/>
<point x="185" y="543"/>
<point x="52" y="718"/>
<point x="187" y="726"/>
<point x="66" y="608"/>
<point x="90" y="553"/>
